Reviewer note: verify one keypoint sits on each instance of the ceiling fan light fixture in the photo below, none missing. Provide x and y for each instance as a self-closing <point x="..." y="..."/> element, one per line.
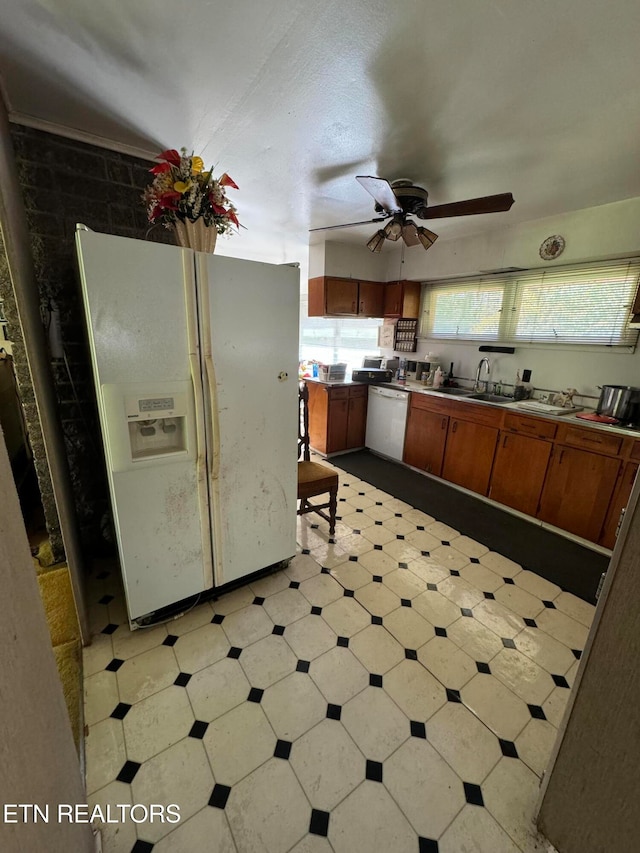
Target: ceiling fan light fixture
<point x="426" y="237"/>
<point x="375" y="243"/>
<point x="393" y="230"/>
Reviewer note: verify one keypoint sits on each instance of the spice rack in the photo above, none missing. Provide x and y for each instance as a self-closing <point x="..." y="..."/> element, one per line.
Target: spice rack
<point x="405" y="337"/>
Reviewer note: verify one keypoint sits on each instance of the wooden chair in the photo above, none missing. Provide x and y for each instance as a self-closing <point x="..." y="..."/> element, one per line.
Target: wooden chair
<point x="314" y="478"/>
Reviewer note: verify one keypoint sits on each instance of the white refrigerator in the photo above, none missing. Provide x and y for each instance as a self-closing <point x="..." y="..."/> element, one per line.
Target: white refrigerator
<point x="195" y="362"/>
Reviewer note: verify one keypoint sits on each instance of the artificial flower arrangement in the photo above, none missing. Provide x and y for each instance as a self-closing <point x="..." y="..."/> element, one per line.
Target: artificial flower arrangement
<point x="182" y="191"/>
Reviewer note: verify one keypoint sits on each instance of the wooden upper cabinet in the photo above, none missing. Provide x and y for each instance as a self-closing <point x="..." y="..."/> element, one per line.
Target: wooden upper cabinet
<point x="371" y="298"/>
<point x="345" y="297"/>
<point x="341" y="296"/>
<point x="402" y="299"/>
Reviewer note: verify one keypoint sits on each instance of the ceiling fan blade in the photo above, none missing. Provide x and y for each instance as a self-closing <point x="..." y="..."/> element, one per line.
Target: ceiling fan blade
<point x="486" y="204"/>
<point x="349" y="224"/>
<point x="410" y="234"/>
<point x="381" y="191"/>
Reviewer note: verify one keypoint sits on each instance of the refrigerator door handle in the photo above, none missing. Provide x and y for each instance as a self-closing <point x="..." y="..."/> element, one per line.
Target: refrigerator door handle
<point x="210" y="372"/>
<point x="201" y="456"/>
<point x="215" y="438"/>
<point x="198" y="394"/>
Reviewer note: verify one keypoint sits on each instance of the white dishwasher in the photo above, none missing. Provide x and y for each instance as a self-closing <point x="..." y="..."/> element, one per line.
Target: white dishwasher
<point x="386" y="421"/>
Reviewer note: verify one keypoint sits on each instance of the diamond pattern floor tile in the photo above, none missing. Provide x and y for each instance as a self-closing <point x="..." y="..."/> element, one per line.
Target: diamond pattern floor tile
<point x="375" y="723"/>
<point x="180" y="774"/>
<point x="328" y="764"/>
<point x="279" y="812"/>
<point x="424" y="786"/>
<point x="352" y="829"/>
<point x="397" y="686"/>
<point x="464" y="742"/>
<point x="239" y="742"/>
<point x="188" y="836"/>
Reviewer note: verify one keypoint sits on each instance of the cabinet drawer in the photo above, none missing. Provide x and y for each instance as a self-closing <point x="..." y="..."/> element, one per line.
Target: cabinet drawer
<point x="478" y="414"/>
<point x="358" y="391"/>
<point x="430" y="404"/>
<point x="530" y="426"/>
<point x="593" y="440"/>
<point x="338" y="393"/>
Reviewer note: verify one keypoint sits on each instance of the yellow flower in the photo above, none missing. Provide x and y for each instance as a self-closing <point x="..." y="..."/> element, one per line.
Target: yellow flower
<point x="197" y="165"/>
<point x="182" y="187"/>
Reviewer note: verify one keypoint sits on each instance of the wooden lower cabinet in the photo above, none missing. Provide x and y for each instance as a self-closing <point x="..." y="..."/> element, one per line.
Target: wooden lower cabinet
<point x="519" y="471"/>
<point x="357" y="418"/>
<point x="337" y="416"/>
<point x="338" y="423"/>
<point x="469" y="453"/>
<point x="425" y="439"/>
<point x="577" y="491"/>
<point x="576" y="479"/>
<point x="618" y="503"/>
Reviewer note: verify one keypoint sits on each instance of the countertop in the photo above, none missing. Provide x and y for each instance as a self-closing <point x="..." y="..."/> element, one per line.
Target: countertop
<point x="418" y="388"/>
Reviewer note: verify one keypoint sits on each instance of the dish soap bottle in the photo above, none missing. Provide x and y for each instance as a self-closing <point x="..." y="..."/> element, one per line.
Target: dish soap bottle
<point x="448" y="380"/>
<point x="438" y="376"/>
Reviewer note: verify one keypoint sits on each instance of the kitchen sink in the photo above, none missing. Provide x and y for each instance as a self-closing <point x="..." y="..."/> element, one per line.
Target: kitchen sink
<point x="456" y="392"/>
<point x="491" y="398"/>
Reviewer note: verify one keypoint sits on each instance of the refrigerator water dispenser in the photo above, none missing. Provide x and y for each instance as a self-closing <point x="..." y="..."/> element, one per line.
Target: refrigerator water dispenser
<point x="156" y="425"/>
<point x="156" y="437"/>
<point x="146" y="424"/>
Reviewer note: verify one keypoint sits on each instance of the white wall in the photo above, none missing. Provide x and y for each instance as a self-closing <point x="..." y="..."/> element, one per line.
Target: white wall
<point x="607" y="231"/>
<point x="37" y="753"/>
<point x="596" y="233"/>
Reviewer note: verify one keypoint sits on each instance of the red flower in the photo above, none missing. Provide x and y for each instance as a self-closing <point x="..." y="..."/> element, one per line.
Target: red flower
<point x="231" y="215"/>
<point x="168" y="200"/>
<point x="219" y="211"/>
<point x="171" y="156"/>
<point x="160" y="168"/>
<point x="226" y="181"/>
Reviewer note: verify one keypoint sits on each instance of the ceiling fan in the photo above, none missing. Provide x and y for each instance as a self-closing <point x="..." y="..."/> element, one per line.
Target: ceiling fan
<point x="399" y="199"/>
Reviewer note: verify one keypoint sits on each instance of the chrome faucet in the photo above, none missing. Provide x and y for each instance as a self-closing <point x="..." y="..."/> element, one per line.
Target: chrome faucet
<point x="476" y="384"/>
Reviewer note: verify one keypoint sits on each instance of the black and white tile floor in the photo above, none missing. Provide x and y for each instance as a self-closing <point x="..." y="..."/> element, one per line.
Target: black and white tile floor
<point x="396" y="689"/>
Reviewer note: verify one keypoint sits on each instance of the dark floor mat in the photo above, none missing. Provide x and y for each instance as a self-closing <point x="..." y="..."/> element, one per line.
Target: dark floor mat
<point x="568" y="564"/>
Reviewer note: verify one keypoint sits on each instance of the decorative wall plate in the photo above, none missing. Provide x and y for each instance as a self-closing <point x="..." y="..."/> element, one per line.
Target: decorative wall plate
<point x="552" y="248"/>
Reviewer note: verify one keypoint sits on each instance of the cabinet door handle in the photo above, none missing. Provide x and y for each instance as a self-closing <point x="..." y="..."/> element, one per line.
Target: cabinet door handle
<point x="560" y="459"/>
<point x="504" y="441"/>
<point x="590" y="439"/>
<point x="444" y="424"/>
<point x="362" y="305"/>
<point x="455" y="426"/>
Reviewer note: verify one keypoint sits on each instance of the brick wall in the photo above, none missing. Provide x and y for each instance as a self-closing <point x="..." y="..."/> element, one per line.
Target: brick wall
<point x="63" y="183"/>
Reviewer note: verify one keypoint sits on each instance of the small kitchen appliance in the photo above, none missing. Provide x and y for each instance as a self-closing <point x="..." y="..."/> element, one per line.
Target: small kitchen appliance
<point x="372" y="361"/>
<point x="619" y="401"/>
<point x="374" y="375"/>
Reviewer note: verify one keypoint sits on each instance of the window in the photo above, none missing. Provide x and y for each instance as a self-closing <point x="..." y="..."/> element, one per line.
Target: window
<point x="588" y="304"/>
<point x="331" y="340"/>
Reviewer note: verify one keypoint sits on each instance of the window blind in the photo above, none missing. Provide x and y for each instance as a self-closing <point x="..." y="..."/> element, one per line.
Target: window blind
<point x="586" y="304"/>
<point x="337" y="339"/>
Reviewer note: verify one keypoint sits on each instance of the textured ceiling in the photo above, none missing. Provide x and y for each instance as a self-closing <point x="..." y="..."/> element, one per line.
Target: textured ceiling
<point x="293" y="99"/>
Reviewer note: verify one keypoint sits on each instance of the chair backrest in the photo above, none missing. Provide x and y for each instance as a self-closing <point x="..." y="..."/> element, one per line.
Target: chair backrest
<point x="303" y="423"/>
